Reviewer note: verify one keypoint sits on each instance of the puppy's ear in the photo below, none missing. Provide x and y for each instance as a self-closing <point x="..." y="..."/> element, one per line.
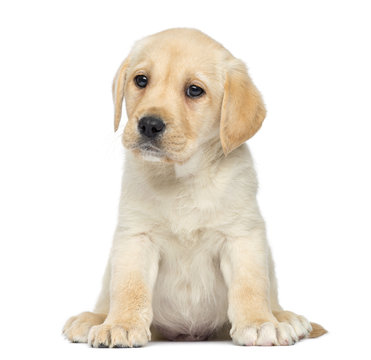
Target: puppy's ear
<point x="243" y="109"/>
<point x="118" y="91"/>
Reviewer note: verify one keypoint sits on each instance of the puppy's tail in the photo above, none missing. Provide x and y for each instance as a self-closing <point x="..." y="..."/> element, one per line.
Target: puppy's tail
<point x="317" y="330"/>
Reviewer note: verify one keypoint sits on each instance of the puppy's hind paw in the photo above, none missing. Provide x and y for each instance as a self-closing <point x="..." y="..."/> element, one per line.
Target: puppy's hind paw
<point x="299" y="323"/>
<point x="77" y="327"/>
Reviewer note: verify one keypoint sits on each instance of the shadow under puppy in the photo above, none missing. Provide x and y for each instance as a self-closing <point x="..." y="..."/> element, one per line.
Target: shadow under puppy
<point x="189" y="257"/>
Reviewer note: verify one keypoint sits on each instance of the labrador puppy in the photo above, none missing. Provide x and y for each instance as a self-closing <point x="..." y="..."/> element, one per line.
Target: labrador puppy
<point x="190" y="258"/>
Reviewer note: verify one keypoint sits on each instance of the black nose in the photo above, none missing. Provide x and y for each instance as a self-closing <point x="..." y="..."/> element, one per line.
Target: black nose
<point x="151" y="126"/>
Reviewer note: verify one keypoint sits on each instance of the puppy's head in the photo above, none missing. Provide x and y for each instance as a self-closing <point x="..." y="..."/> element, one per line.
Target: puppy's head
<point x="182" y="89"/>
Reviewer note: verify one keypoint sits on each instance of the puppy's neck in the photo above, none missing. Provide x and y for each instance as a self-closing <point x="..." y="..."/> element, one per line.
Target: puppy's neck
<point x="205" y="157"/>
<point x="189" y="167"/>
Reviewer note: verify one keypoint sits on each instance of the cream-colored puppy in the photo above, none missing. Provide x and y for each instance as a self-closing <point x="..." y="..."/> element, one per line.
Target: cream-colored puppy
<point x="190" y="257"/>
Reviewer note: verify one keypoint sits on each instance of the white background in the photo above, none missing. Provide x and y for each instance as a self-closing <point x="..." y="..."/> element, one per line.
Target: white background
<point x="61" y="162"/>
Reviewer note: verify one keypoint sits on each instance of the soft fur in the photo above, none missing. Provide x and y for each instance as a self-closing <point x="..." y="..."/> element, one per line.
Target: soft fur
<point x="190" y="259"/>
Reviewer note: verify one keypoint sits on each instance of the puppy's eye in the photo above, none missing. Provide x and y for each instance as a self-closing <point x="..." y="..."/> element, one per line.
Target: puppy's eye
<point x="141" y="81"/>
<point x="194" y="91"/>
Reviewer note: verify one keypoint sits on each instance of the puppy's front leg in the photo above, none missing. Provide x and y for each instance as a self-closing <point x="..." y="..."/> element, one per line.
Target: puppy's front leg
<point x="244" y="263"/>
<point x="134" y="262"/>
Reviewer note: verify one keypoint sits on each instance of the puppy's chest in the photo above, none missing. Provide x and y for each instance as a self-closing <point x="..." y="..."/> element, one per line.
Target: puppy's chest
<point x="188" y="211"/>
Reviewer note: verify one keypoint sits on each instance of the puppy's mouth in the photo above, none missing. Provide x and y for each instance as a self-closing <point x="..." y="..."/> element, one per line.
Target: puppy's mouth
<point x="149" y="150"/>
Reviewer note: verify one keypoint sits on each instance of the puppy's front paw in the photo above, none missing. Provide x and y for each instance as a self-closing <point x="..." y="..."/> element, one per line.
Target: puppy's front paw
<point x="77" y="327"/>
<point x="266" y="334"/>
<point x="111" y="335"/>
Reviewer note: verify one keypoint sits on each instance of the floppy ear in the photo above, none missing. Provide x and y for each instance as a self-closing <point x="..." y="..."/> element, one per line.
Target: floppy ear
<point x="118" y="91"/>
<point x="243" y="109"/>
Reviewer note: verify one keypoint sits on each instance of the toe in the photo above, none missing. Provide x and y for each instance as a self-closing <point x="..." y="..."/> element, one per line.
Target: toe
<point x="68" y="324"/>
<point x="286" y="334"/>
<point x="267" y="335"/>
<point x="119" y="337"/>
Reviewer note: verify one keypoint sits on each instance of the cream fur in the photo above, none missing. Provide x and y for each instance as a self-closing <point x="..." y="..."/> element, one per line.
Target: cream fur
<point x="190" y="256"/>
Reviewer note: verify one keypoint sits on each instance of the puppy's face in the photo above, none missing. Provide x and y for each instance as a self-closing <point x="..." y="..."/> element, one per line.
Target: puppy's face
<point x="182" y="89"/>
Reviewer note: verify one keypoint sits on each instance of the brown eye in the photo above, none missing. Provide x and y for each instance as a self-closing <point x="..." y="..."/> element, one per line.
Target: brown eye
<point x="194" y="91"/>
<point x="141" y="81"/>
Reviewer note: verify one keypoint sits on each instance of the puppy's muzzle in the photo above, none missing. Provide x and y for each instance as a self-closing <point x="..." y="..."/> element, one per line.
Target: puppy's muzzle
<point x="151" y="127"/>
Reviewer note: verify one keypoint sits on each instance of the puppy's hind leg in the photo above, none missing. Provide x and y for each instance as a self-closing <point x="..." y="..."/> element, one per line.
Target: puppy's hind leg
<point x="77" y="327"/>
<point x="302" y="327"/>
